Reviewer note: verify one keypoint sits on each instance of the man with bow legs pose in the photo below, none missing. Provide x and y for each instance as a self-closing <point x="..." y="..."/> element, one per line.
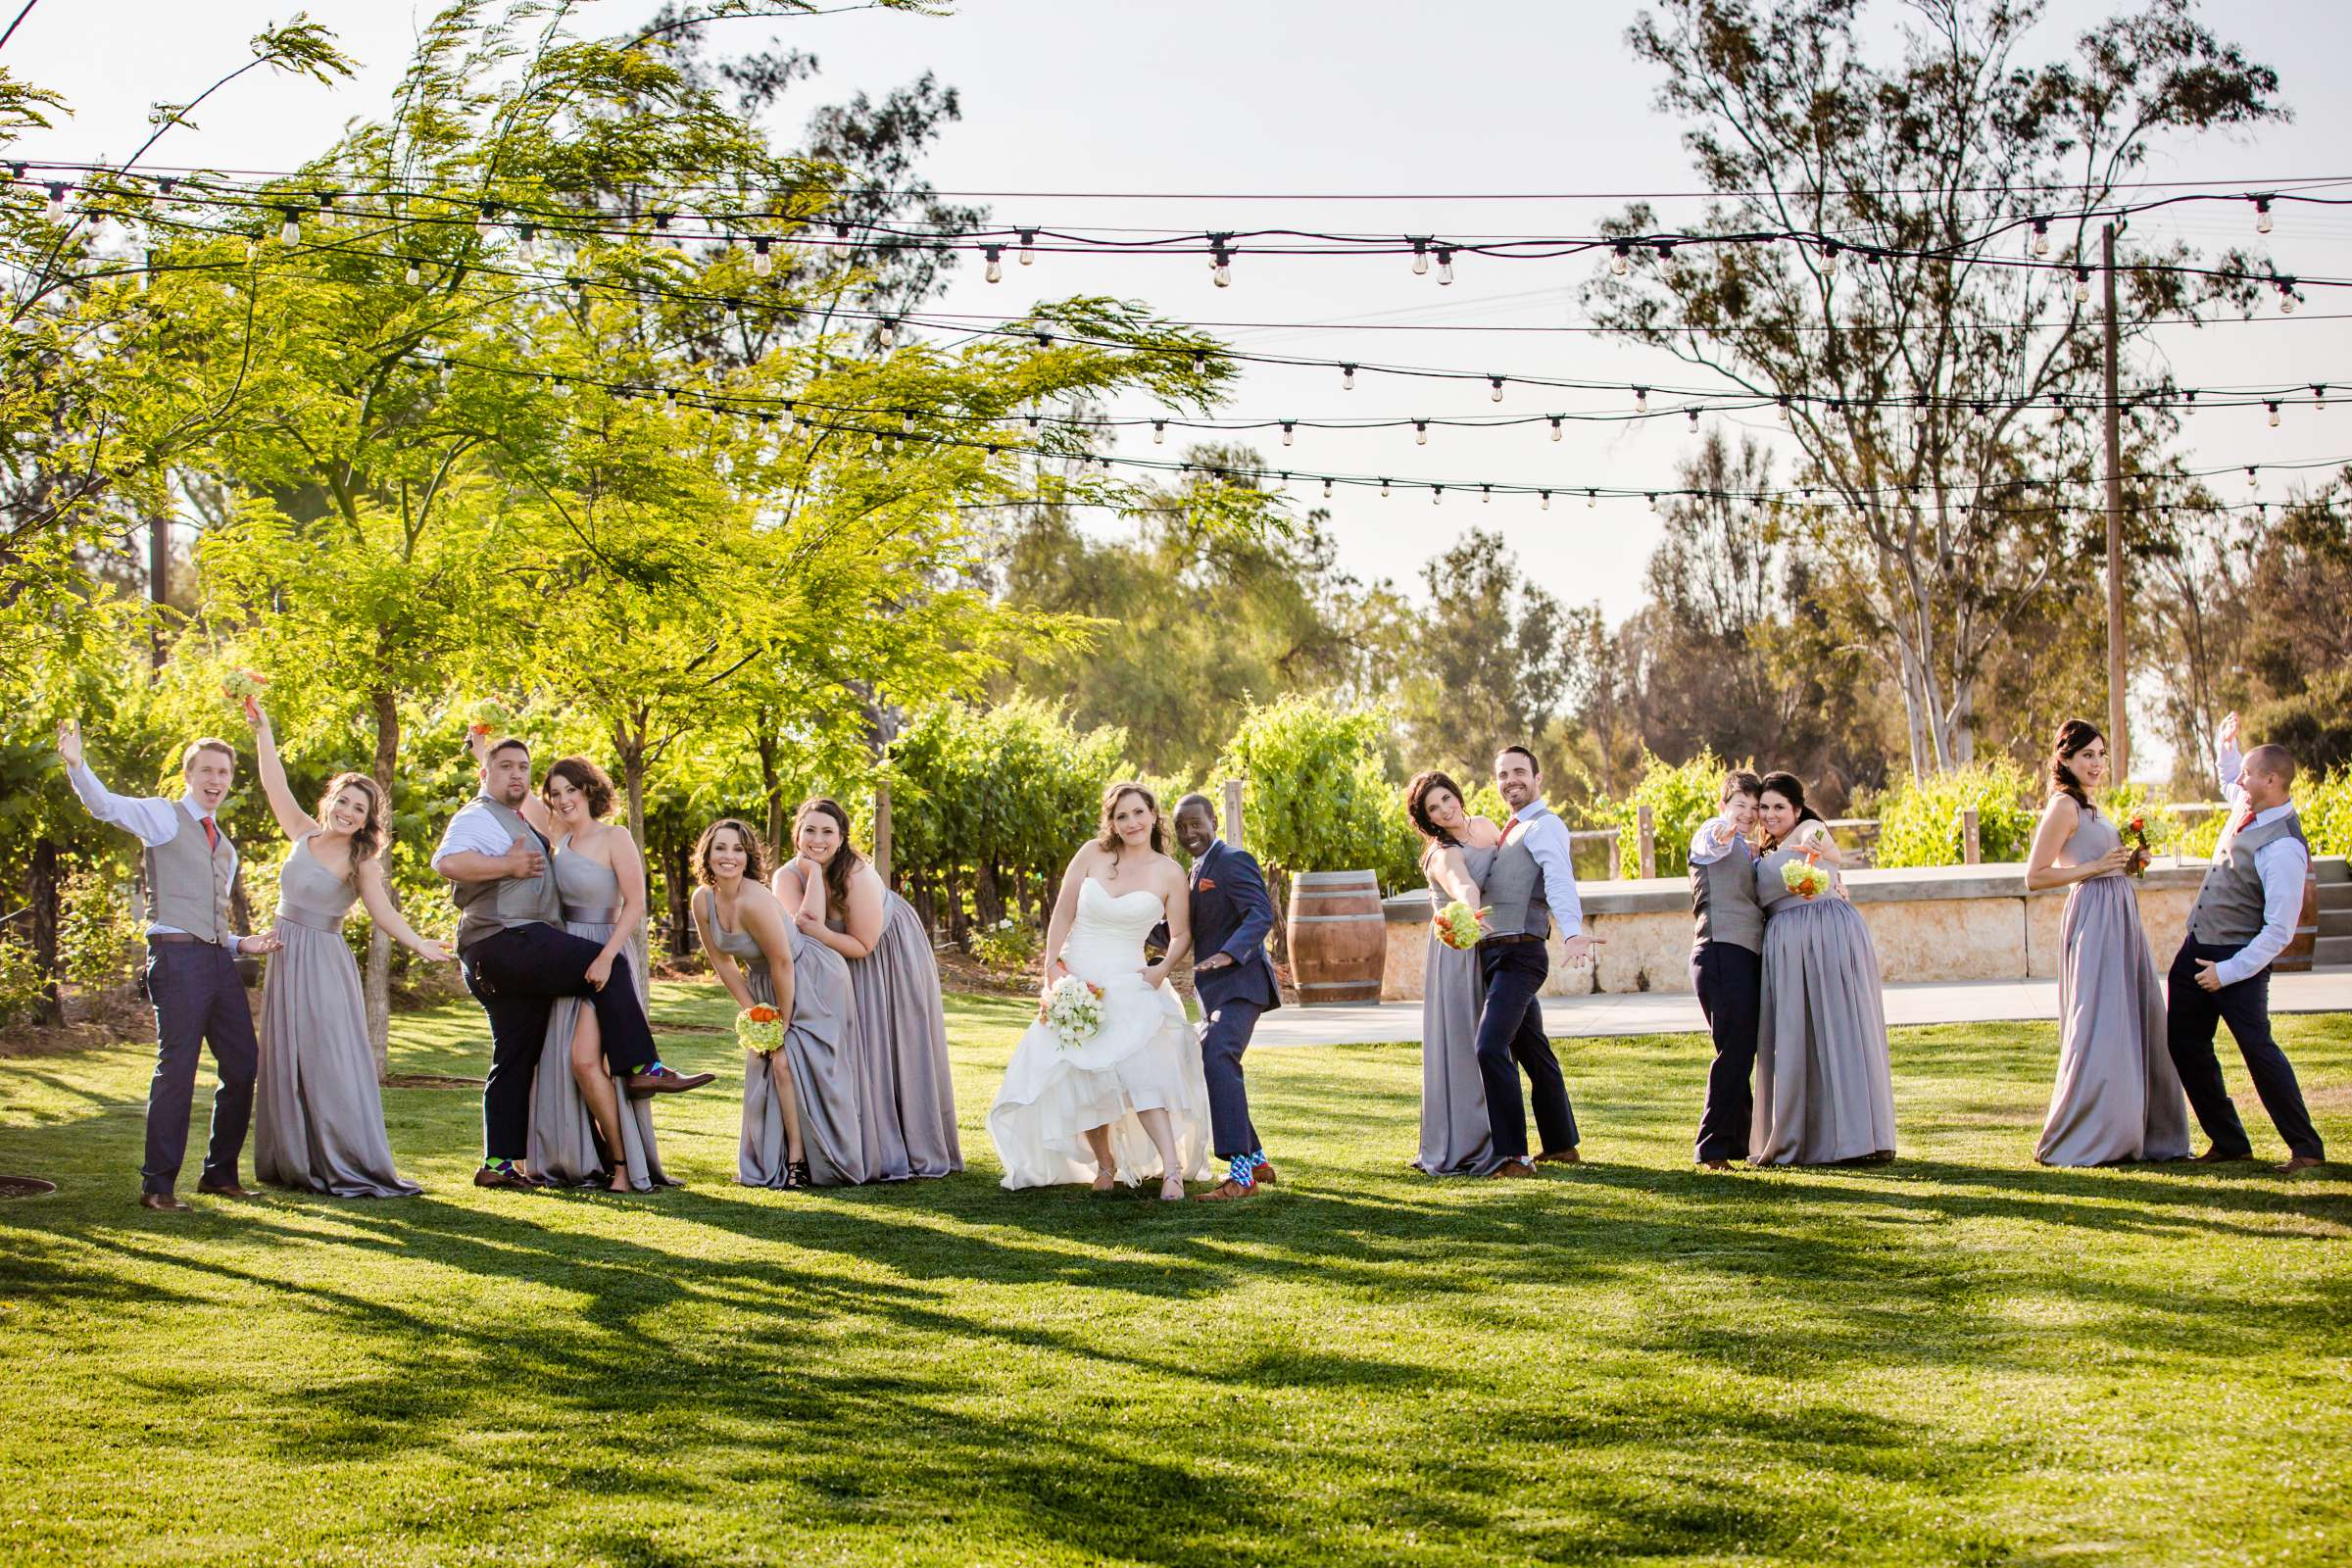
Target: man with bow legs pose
<point x="1235" y="982"/>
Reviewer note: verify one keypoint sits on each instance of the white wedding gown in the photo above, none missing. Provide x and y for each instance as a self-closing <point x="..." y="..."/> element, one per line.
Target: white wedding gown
<point x="1142" y="1058"/>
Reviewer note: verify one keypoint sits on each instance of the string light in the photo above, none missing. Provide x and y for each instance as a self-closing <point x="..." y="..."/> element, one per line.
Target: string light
<point x="1347" y="377"/>
<point x="1557" y="426"/>
<point x="1592" y="499"/>
<point x="485" y="221"/>
<point x="1692" y="411"/>
<point x="1028" y="247"/>
<point x="762" y="264"/>
<point x="2274" y="408"/>
<point x="1486" y="495"/>
<point x="886" y="332"/>
<point x="995" y="254"/>
<point x="2319" y="398"/>
<point x="1420" y="432"/>
<point x="2262" y="214"/>
<point x="1327" y="487"/>
<point x="1445" y="264"/>
<point x="2189" y="403"/>
<point x="1829" y="255"/>
<point x="1437" y="494"/>
<point x="528" y="242"/>
<point x="2287" y="296"/>
<point x="1287" y="426"/>
<point x="1542" y="501"/>
<point x="1623" y="261"/>
<point x="289" y="229"/>
<point x="1496" y="383"/>
<point x="1781" y="401"/>
<point x="1420" y="258"/>
<point x="1220" y="260"/>
<point x="1641" y="400"/>
<point x="1160" y="432"/>
<point x="2081" y="286"/>
<point x="2041" y="236"/>
<point x="1384" y="489"/>
<point x="2253" y="483"/>
<point x="57" y="203"/>
<point x="414" y="275"/>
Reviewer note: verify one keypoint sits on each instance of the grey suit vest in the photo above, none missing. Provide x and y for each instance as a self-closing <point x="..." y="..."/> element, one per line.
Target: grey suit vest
<point x="1514" y="891"/>
<point x="485" y="909"/>
<point x="187" y="880"/>
<point x="2228" y="907"/>
<point x="1723" y="899"/>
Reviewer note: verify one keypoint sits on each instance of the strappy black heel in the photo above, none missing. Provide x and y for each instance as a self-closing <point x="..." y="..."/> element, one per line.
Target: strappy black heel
<point x="796" y="1174"/>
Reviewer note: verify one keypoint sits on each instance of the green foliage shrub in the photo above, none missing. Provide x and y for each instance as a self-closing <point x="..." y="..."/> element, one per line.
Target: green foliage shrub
<point x="1919" y="818"/>
<point x="1681" y="799"/>
<point x="1318" y="797"/>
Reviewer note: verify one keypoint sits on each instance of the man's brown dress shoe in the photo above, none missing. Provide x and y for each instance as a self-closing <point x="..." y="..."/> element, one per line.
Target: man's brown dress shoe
<point x="225" y="1190"/>
<point x="2213" y="1156"/>
<point x="502" y="1176"/>
<point x="165" y="1202"/>
<point x="1512" y="1167"/>
<point x="1559" y="1156"/>
<point x="1715" y="1164"/>
<point x="2299" y="1162"/>
<point x="665" y="1081"/>
<point x="1225" y="1191"/>
<point x="1264" y="1175"/>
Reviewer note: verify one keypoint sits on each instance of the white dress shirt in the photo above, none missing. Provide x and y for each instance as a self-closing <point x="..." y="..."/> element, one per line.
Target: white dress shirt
<point x="1546" y="839"/>
<point x="472" y="830"/>
<point x="153" y="819"/>
<point x="1705" y="848"/>
<point x="2282" y="864"/>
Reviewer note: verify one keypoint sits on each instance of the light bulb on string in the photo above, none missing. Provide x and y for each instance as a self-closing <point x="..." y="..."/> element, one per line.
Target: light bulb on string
<point x="1783" y="404"/>
<point x="2081" y="286"/>
<point x="1160" y="432"/>
<point x="1437" y="494"/>
<point x="1220" y="260"/>
<point x="1692" y="411"/>
<point x="1495" y="381"/>
<point x="762" y="264"/>
<point x="1641" y="400"/>
<point x="1653" y="505"/>
<point x="2253" y="481"/>
<point x="289" y="229"/>
<point x="1486" y="494"/>
<point x="1420" y="258"/>
<point x="1420" y="432"/>
<point x="527" y="246"/>
<point x="2287" y="296"/>
<point x="2319" y="398"/>
<point x="2274" y="408"/>
<point x="996" y="263"/>
<point x="1557" y="427"/>
<point x="2041" y="236"/>
<point x="907" y="421"/>
<point x="1384" y="489"/>
<point x="416" y="274"/>
<point x="57" y="203"/>
<point x="1287" y="426"/>
<point x="485" y="220"/>
<point x="1347" y="377"/>
<point x="1327" y="487"/>
<point x="1828" y="256"/>
<point x="2262" y="214"/>
<point x="2188" y="401"/>
<point x="1592" y="499"/>
<point x="1542" y="501"/>
<point x="1623" y="261"/>
<point x="1028" y="247"/>
<point x="1445" y="264"/>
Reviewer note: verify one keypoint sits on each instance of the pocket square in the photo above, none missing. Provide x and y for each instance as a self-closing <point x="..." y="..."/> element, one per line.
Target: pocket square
<point x="1204" y="884"/>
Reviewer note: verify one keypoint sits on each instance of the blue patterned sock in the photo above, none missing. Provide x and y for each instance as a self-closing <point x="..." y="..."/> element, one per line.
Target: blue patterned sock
<point x="1257" y="1158"/>
<point x="1240" y="1168"/>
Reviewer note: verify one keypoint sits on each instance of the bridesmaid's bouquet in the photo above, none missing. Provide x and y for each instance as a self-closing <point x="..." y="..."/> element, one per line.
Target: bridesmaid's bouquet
<point x="2135" y="834"/>
<point x="1075" y="1010"/>
<point x="242" y="686"/>
<point x="1804" y="878"/>
<point x="487" y="715"/>
<point x="1457" y="927"/>
<point x="760" y="1028"/>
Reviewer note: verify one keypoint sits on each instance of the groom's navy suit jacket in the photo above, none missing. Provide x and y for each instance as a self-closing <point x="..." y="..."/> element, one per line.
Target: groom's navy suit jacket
<point x="1232" y="914"/>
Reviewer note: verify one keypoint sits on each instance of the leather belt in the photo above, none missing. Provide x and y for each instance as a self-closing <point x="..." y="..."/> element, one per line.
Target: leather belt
<point x="1507" y="941"/>
<point x="182" y="936"/>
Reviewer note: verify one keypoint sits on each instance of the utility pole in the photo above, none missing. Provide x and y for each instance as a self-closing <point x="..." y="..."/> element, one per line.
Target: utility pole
<point x="2119" y="745"/>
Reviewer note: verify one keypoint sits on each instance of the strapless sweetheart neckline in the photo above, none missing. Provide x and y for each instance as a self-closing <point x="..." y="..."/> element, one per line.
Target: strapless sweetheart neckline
<point x="1131" y="892"/>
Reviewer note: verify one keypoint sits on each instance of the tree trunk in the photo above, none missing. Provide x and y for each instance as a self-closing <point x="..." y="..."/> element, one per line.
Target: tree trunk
<point x="956" y="923"/>
<point x="771" y="782"/>
<point x="42" y="886"/>
<point x="681" y="862"/>
<point x="987" y="905"/>
<point x="159" y="579"/>
<point x="632" y="774"/>
<point x="376" y="991"/>
<point x="1278" y="892"/>
<point x="882" y="833"/>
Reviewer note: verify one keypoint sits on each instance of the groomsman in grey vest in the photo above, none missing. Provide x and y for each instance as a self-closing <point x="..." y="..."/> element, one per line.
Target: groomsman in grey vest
<point x="517" y="959"/>
<point x="1531" y="888"/>
<point x="2243" y="918"/>
<point x="1727" y="966"/>
<point x="191" y="963"/>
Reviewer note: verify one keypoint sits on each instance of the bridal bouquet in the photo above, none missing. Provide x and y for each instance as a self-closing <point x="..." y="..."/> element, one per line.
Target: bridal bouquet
<point x="760" y="1028"/>
<point x="1457" y="927"/>
<point x="1804" y="878"/>
<point x="2135" y="834"/>
<point x="1073" y="1010"/>
<point x="486" y="716"/>
<point x="243" y="686"/>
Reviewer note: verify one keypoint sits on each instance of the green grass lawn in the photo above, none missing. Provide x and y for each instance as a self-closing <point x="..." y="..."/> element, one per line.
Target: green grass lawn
<point x="1956" y="1358"/>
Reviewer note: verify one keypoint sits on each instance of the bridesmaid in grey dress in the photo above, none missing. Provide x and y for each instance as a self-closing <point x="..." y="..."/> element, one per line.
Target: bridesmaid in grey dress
<point x="802" y="1121"/>
<point x="583" y="1128"/>
<point x="317" y="1116"/>
<point x="1456" y="1134"/>
<point x="836" y="897"/>
<point x="1824" y="1091"/>
<point x="2118" y="1096"/>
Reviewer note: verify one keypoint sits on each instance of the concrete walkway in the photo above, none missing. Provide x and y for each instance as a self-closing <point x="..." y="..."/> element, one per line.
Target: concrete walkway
<point x="1671" y="1013"/>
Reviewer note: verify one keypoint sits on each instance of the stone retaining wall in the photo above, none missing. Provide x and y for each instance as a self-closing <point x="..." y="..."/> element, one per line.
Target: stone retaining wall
<point x="1950" y="922"/>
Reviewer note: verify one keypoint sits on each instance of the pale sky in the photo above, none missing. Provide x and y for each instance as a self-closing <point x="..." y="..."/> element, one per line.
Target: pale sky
<point x="1356" y="97"/>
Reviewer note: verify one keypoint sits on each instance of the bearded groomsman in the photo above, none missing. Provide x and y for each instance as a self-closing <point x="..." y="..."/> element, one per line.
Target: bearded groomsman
<point x="191" y="963"/>
<point x="2243" y="918"/>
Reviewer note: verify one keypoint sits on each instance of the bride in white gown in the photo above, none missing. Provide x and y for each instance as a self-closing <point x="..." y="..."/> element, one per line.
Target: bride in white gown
<point x="1132" y="1102"/>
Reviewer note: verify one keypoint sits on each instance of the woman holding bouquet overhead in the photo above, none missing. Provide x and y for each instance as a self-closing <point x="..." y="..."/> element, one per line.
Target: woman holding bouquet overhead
<point x="318" y="1118"/>
<point x="800" y="1104"/>
<point x="1457" y="1136"/>
<point x="1824" y="1091"/>
<point x="2116" y="1096"/>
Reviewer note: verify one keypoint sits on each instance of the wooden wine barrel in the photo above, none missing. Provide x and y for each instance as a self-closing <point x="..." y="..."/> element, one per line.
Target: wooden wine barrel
<point x="1339" y="937"/>
<point x="2306" y="940"/>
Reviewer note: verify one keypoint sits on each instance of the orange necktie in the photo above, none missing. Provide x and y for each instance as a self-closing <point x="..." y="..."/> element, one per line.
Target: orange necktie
<point x="211" y="834"/>
<point x="2244" y="822"/>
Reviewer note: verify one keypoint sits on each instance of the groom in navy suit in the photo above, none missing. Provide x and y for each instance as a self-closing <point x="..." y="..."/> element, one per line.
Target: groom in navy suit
<point x="1235" y="981"/>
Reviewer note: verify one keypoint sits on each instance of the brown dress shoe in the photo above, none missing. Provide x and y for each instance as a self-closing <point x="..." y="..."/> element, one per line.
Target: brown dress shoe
<point x="2300" y="1162"/>
<point x="493" y="1176"/>
<point x="1512" y="1167"/>
<point x="1559" y="1156"/>
<point x="1225" y="1191"/>
<point x="222" y="1189"/>
<point x="2213" y="1156"/>
<point x="165" y="1201"/>
<point x="665" y="1081"/>
<point x="1264" y="1175"/>
<point x="1715" y="1164"/>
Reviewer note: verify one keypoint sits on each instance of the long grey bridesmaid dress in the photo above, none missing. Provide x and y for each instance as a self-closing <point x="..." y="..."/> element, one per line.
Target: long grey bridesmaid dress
<point x="317" y="1116"/>
<point x="1457" y="1139"/>
<point x="901" y="1024"/>
<point x="2116" y="1096"/>
<point x="564" y="1143"/>
<point x="818" y="1050"/>
<point x="1824" y="1089"/>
